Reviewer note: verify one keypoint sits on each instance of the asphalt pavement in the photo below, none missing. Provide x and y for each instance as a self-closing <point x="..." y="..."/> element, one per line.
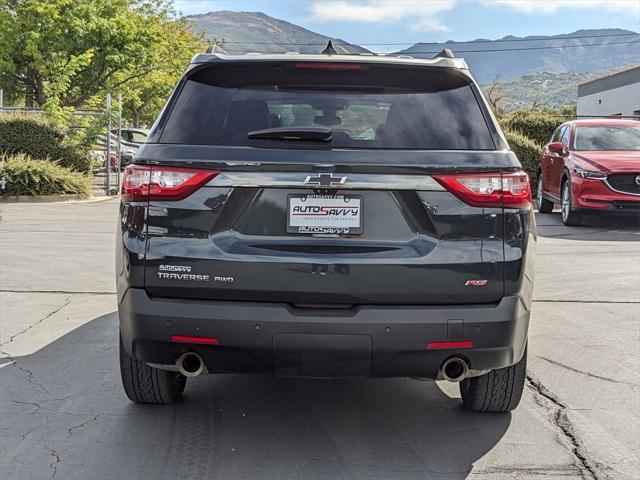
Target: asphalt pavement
<point x="63" y="413"/>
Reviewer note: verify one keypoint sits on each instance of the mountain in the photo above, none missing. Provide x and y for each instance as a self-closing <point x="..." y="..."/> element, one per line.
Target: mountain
<point x="534" y="74"/>
<point x="551" y="90"/>
<point x="584" y="50"/>
<point x="605" y="54"/>
<point x="237" y="30"/>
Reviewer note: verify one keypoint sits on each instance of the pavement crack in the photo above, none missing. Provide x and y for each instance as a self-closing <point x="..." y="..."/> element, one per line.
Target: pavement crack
<point x="29" y="432"/>
<point x="52" y="465"/>
<point x="55" y="459"/>
<point x="29" y="377"/>
<point x="589" y="468"/>
<point x="37" y="322"/>
<point x="83" y="424"/>
<point x="582" y="372"/>
<point x="12" y="359"/>
<point x="33" y="404"/>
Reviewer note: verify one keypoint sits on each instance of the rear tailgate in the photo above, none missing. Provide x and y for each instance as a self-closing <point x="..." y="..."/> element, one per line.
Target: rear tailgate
<point x="418" y="244"/>
<point x="385" y="131"/>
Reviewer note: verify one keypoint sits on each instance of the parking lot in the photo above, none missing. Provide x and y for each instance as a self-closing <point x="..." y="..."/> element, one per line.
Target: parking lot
<point x="63" y="413"/>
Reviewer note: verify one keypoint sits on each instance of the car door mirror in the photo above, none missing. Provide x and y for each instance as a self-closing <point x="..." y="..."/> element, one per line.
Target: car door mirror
<point x="556" y="147"/>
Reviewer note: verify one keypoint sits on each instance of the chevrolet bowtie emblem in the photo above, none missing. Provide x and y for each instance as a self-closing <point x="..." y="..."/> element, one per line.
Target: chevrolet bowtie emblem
<point x="325" y="180"/>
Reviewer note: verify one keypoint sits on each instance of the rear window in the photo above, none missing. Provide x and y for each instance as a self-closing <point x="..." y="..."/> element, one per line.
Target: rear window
<point x="612" y="137"/>
<point x="365" y="106"/>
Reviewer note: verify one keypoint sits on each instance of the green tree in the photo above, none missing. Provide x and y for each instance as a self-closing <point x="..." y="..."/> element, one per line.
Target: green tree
<point x="568" y="110"/>
<point x="62" y="53"/>
<point x="143" y="97"/>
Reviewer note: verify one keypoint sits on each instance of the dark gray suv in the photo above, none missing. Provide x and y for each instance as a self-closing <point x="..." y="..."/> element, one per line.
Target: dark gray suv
<point x="326" y="216"/>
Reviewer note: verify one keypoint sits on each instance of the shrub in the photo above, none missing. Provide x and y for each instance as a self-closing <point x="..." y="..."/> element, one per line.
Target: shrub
<point x="538" y="125"/>
<point x="527" y="151"/>
<point x="26" y="176"/>
<point x="40" y="139"/>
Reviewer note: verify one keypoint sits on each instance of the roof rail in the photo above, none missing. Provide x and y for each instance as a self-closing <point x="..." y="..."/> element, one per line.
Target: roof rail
<point x="215" y="49"/>
<point x="445" y="53"/>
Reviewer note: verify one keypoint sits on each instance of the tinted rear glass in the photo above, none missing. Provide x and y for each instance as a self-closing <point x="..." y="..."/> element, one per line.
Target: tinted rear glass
<point x="365" y="107"/>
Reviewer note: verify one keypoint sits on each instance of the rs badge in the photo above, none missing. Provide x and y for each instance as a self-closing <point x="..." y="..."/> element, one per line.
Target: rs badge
<point x="475" y="283"/>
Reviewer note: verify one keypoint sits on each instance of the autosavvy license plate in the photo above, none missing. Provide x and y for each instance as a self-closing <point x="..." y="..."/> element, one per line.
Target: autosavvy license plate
<point x="328" y="214"/>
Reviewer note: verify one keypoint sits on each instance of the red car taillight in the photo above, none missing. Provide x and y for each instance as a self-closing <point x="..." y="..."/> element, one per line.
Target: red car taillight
<point x="143" y="182"/>
<point x="511" y="190"/>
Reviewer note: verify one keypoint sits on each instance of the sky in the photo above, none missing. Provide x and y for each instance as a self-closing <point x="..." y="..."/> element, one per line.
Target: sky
<point x="412" y="21"/>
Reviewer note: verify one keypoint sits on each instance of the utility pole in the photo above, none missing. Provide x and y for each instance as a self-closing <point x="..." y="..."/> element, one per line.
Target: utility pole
<point x="3" y="182"/>
<point x="119" y="145"/>
<point x="107" y="187"/>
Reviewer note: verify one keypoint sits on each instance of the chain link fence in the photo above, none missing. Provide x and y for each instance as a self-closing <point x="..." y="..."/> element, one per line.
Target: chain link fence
<point x="107" y="148"/>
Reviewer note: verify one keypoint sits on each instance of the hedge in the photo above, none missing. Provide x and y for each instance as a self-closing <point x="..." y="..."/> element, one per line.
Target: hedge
<point x="538" y="125"/>
<point x="40" y="139"/>
<point x="26" y="176"/>
<point x="527" y="151"/>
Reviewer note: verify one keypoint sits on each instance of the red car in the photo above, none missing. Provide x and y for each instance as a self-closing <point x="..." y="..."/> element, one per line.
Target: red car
<point x="591" y="166"/>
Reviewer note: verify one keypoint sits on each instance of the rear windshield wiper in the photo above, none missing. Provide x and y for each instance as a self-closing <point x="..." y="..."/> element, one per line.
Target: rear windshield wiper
<point x="309" y="134"/>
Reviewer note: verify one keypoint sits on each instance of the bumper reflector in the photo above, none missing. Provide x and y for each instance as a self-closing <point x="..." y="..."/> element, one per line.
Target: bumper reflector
<point x="459" y="344"/>
<point x="200" y="340"/>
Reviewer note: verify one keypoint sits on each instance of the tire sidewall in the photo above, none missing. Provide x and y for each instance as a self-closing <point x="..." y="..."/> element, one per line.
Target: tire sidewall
<point x="542" y="204"/>
<point x="566" y="196"/>
<point x="498" y="391"/>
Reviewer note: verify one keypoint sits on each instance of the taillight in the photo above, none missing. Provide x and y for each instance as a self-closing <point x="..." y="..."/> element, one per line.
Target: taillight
<point x="143" y="182"/>
<point x="511" y="190"/>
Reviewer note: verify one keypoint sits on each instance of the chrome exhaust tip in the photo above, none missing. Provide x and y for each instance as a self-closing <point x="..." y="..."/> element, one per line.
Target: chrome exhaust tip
<point x="190" y="364"/>
<point x="454" y="369"/>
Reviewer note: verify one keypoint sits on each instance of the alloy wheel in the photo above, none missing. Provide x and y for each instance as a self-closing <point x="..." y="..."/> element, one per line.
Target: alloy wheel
<point x="539" y="193"/>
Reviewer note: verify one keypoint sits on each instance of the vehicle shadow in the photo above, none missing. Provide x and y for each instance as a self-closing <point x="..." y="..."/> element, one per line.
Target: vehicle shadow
<point x="593" y="228"/>
<point x="63" y="412"/>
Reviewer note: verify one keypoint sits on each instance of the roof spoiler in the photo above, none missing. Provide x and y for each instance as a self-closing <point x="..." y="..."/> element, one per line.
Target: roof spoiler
<point x="215" y="48"/>
<point x="215" y="53"/>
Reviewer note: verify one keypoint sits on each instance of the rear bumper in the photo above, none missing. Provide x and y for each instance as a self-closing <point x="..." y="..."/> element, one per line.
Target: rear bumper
<point x="364" y="341"/>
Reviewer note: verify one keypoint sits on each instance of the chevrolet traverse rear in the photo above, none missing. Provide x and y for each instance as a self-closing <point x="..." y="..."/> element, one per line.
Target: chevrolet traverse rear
<point x="326" y="216"/>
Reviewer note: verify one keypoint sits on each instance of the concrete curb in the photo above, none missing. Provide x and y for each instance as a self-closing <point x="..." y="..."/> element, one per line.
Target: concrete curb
<point x="53" y="199"/>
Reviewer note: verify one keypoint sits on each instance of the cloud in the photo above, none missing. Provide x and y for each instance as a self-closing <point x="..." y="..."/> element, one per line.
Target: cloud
<point x="552" y="6"/>
<point x="418" y="14"/>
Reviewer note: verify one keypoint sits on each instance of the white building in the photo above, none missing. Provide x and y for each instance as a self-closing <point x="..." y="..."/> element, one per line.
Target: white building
<point x="615" y="94"/>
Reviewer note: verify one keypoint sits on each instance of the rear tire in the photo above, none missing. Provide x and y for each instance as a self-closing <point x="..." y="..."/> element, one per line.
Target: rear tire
<point x="144" y="384"/>
<point x="544" y="205"/>
<point x="569" y="215"/>
<point x="499" y="390"/>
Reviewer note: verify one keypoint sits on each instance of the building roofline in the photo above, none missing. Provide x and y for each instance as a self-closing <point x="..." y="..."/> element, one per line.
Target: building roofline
<point x="621" y="72"/>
